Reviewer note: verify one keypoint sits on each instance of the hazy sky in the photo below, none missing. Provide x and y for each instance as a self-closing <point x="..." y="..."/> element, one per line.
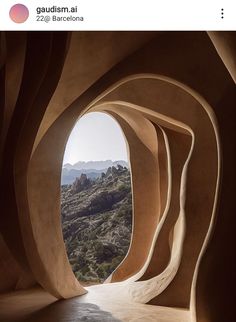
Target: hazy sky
<point x="95" y="137"/>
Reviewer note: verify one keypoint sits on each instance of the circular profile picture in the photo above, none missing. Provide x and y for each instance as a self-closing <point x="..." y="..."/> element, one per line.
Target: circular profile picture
<point x="19" y="13"/>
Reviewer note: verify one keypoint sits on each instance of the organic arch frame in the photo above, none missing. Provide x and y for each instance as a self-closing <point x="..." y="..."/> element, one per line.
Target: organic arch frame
<point x="171" y="112"/>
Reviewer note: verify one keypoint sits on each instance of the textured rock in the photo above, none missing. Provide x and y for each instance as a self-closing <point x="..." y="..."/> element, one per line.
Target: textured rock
<point x="81" y="183"/>
<point x="96" y="221"/>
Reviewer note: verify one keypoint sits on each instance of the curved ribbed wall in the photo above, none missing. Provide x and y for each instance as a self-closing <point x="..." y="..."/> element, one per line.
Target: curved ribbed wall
<point x="170" y="108"/>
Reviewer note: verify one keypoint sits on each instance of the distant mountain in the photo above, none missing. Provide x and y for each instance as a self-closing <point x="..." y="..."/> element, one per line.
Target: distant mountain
<point x="69" y="176"/>
<point x="92" y="169"/>
<point x="95" y="165"/>
<point x="96" y="219"/>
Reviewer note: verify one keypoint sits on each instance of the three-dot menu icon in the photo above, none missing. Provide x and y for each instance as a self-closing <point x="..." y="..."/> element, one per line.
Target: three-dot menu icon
<point x="222" y="13"/>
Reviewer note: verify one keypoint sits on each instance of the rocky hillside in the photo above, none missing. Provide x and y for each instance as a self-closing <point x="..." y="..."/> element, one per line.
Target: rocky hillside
<point x="92" y="169"/>
<point x="96" y="220"/>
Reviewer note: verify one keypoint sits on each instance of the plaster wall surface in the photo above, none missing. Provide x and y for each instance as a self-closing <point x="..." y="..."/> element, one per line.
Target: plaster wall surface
<point x="173" y="94"/>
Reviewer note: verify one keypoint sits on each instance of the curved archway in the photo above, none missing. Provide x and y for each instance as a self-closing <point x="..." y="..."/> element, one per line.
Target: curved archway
<point x="143" y="104"/>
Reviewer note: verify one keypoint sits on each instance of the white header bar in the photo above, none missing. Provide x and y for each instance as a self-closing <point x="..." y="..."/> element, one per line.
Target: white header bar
<point x="117" y="15"/>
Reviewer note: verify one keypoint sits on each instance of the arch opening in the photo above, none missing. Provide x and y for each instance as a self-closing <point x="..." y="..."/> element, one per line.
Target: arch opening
<point x="136" y="114"/>
<point x="96" y="198"/>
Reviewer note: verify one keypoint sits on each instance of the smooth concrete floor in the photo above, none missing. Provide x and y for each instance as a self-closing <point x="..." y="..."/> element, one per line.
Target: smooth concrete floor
<point x="35" y="305"/>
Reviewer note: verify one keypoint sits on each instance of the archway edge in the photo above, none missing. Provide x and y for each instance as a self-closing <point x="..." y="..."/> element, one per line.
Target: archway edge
<point x="211" y="115"/>
<point x="73" y="112"/>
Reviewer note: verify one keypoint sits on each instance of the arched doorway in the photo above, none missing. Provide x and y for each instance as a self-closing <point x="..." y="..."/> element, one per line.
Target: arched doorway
<point x="96" y="198"/>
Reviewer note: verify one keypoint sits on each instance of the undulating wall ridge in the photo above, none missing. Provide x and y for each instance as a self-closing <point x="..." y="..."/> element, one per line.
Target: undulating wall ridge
<point x="173" y="94"/>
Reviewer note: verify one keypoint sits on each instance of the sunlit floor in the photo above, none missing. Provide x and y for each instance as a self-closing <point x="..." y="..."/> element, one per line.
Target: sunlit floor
<point x="96" y="306"/>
